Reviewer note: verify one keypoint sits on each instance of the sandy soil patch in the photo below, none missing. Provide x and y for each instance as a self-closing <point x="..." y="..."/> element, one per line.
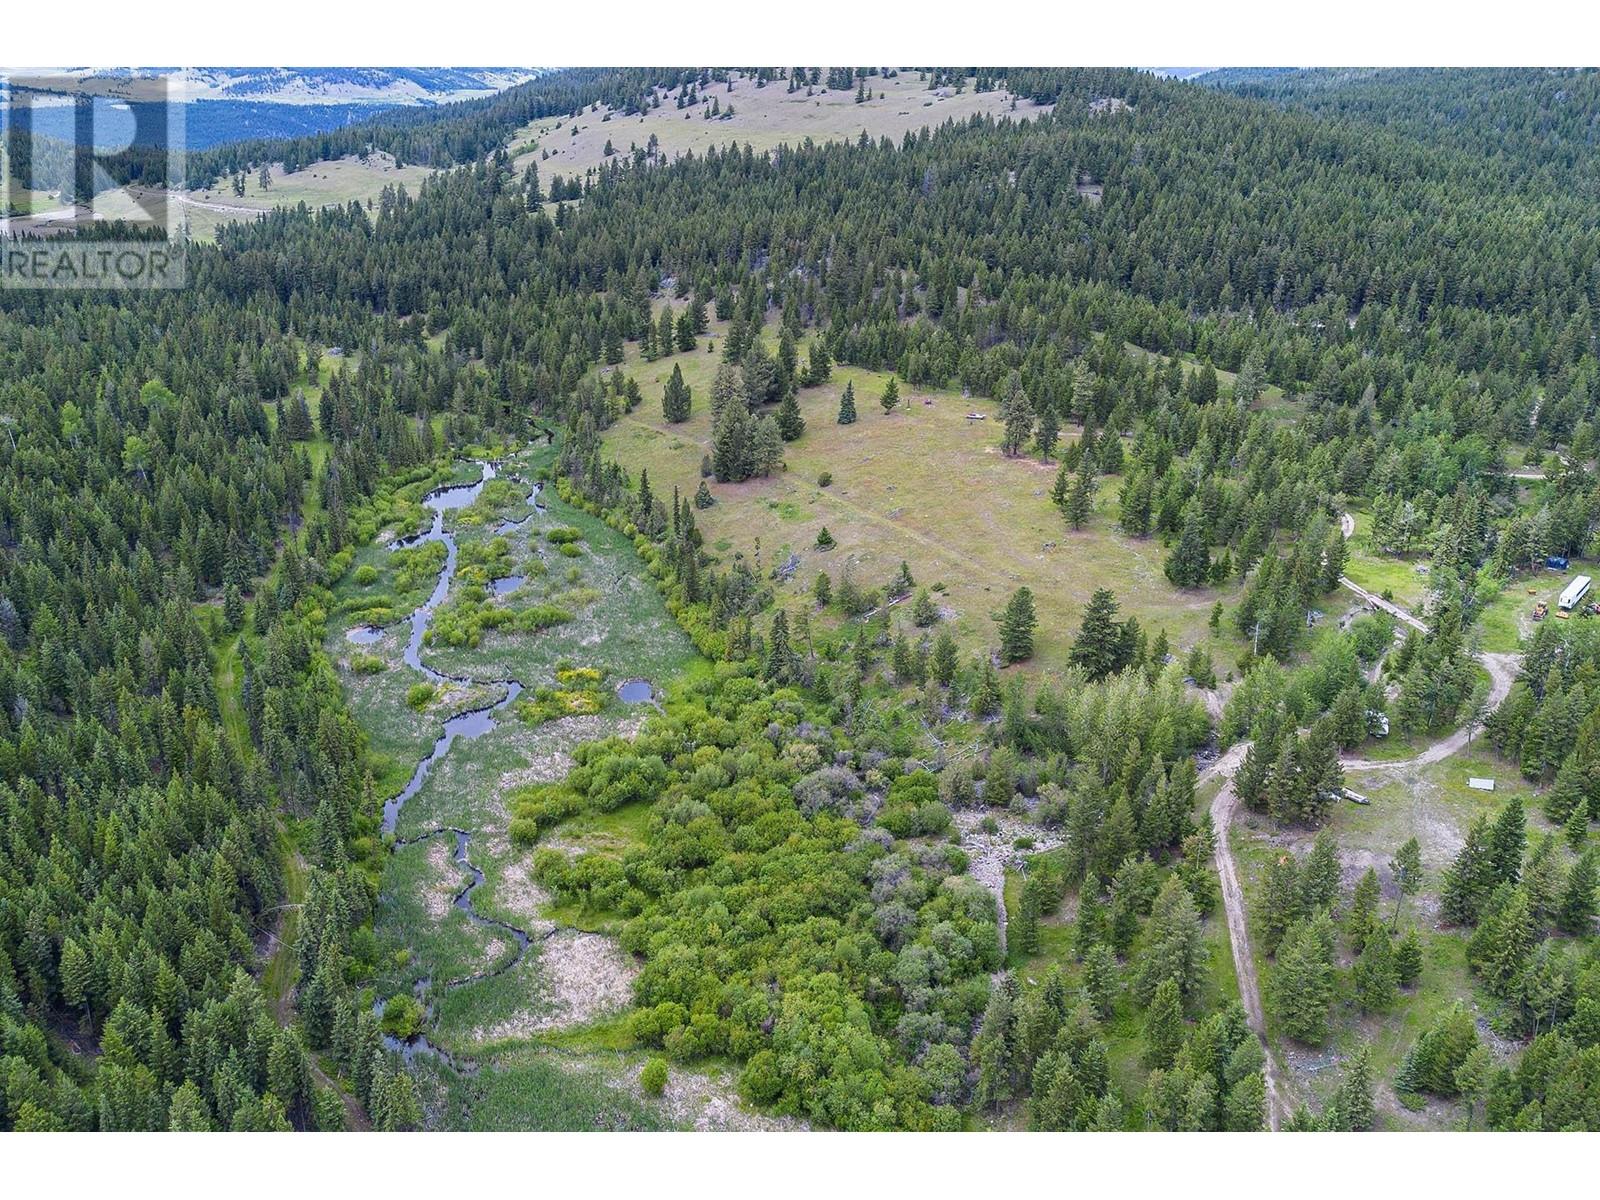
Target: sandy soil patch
<point x="704" y="1103"/>
<point x="989" y="854"/>
<point x="515" y="892"/>
<point x="584" y="976"/>
<point x="444" y="880"/>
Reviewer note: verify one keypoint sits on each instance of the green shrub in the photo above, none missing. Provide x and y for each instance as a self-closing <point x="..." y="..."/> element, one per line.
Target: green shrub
<point x="761" y="1080"/>
<point x="366" y="575"/>
<point x="416" y="566"/>
<point x="653" y="1079"/>
<point x="367" y="664"/>
<point x="402" y="1016"/>
<point x="420" y="695"/>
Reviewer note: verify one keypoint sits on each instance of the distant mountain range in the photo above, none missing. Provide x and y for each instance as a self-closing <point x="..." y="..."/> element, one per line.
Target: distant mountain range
<point x="354" y="85"/>
<point x="229" y="104"/>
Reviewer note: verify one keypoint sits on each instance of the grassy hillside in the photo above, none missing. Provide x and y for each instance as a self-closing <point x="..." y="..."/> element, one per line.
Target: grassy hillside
<point x="317" y="185"/>
<point x="763" y="118"/>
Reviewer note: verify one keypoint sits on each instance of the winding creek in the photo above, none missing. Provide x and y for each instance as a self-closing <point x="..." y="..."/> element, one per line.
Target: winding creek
<point x="468" y="725"/>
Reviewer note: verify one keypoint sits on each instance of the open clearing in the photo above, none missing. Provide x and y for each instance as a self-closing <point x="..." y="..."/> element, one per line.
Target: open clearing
<point x="764" y="118"/>
<point x="924" y="485"/>
<point x="317" y="185"/>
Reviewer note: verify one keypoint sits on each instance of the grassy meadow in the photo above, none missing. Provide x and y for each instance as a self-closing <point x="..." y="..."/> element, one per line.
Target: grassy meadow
<point x="764" y="118"/>
<point x="924" y="485"/>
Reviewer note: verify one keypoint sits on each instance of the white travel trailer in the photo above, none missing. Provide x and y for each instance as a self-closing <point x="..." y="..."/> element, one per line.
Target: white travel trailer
<point x="1574" y="592"/>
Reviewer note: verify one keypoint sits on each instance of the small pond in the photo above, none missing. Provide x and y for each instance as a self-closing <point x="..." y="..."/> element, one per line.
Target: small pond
<point x="636" y="691"/>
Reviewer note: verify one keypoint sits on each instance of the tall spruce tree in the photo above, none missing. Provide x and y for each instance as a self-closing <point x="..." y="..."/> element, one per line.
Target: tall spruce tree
<point x="675" y="399"/>
<point x="1100" y="648"/>
<point x="790" y="423"/>
<point x="1189" y="564"/>
<point x="1017" y="624"/>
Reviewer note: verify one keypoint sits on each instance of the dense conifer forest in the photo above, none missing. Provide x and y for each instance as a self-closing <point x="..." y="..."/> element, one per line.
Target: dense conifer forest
<point x="1288" y="299"/>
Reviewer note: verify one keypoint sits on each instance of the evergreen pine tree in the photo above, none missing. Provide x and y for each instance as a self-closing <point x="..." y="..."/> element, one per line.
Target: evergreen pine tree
<point x="77" y="975"/>
<point x="1163" y="1026"/>
<point x="1245" y="1108"/>
<point x="822" y="590"/>
<point x="847" y="404"/>
<point x="819" y="363"/>
<point x="986" y="695"/>
<point x="944" y="659"/>
<point x="1577" y="909"/>
<point x="790" y="423"/>
<point x="891" y="396"/>
<point x="187" y="1111"/>
<point x="1577" y="827"/>
<point x="675" y="400"/>
<point x="1048" y="433"/>
<point x="1302" y="990"/>
<point x="1058" y="493"/>
<point x="1016" y="413"/>
<point x="1100" y="980"/>
<point x="1408" y="959"/>
<point x="780" y="665"/>
<point x="1374" y="973"/>
<point x="1467" y="882"/>
<point x="1362" y="919"/>
<point x="1319" y="879"/>
<point x="1508" y="841"/>
<point x="1099" y="648"/>
<point x="1351" y="1109"/>
<point x="1029" y="908"/>
<point x="1017" y="623"/>
<point x="1080" y="500"/>
<point x="1189" y="564"/>
<point x="1282" y="904"/>
<point x="995" y="1044"/>
<point x="1175" y="949"/>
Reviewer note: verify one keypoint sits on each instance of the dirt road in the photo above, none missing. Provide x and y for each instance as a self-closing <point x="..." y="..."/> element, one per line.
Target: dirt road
<point x="1503" y="669"/>
<point x="1244" y="962"/>
<point x="1379" y="602"/>
<point x="1502" y="673"/>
